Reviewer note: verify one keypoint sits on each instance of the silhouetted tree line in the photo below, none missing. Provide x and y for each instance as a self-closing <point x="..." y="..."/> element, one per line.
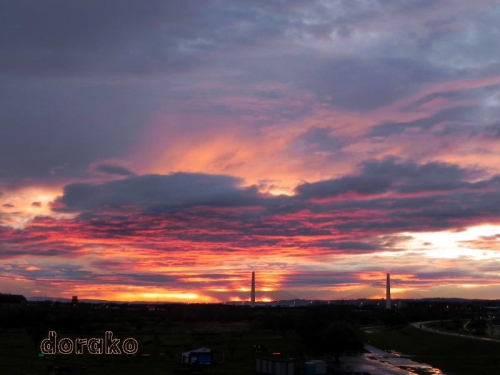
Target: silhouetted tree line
<point x="86" y="317"/>
<point x="316" y="325"/>
<point x="11" y="298"/>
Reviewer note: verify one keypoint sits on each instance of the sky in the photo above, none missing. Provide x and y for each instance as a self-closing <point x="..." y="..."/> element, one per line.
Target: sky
<point x="164" y="150"/>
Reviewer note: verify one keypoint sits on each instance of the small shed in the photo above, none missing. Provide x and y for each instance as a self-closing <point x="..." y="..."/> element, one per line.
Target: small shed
<point x="202" y="355"/>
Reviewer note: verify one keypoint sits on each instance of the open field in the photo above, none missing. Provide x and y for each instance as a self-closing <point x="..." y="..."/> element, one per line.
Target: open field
<point x="453" y="355"/>
<point x="231" y="332"/>
<point x="158" y="353"/>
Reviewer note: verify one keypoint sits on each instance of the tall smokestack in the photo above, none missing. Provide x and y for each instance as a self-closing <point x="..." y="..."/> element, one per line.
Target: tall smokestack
<point x="388" y="293"/>
<point x="252" y="295"/>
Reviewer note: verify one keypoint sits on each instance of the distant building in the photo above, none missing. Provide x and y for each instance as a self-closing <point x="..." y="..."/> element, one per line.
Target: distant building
<point x="74" y="300"/>
<point x="202" y="355"/>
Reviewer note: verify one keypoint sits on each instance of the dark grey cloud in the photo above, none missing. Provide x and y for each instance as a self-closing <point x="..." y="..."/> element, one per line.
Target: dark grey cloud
<point x="29" y="251"/>
<point x="58" y="128"/>
<point x="447" y="274"/>
<point x="456" y="115"/>
<point x="365" y="84"/>
<point x="114" y="170"/>
<point x="91" y="37"/>
<point x="388" y="175"/>
<point x="317" y="139"/>
<point x="492" y="130"/>
<point x="410" y="177"/>
<point x="396" y="196"/>
<point x="182" y="190"/>
<point x="351" y="246"/>
<point x="53" y="272"/>
<point x="475" y="94"/>
<point x="8" y="205"/>
<point x="126" y="37"/>
<point x="365" y="185"/>
<point x="156" y="191"/>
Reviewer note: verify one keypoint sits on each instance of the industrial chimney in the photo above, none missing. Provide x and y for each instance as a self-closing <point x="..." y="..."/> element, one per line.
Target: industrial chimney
<point x="388" y="293"/>
<point x="252" y="295"/>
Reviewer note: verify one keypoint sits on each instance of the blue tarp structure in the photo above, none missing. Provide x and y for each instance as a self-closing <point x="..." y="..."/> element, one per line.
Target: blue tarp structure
<point x="202" y="355"/>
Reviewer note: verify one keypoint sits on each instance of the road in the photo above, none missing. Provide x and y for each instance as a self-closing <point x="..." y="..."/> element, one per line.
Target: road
<point x="421" y="326"/>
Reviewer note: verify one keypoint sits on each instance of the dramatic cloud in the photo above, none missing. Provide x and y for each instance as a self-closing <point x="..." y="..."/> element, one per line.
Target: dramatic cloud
<point x="177" y="190"/>
<point x="165" y="150"/>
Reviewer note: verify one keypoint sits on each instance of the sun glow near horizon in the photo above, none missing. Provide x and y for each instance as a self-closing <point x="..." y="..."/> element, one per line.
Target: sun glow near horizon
<point x="467" y="243"/>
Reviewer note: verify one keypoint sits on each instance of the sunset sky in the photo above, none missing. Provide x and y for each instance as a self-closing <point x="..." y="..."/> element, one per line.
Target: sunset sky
<point x="164" y="150"/>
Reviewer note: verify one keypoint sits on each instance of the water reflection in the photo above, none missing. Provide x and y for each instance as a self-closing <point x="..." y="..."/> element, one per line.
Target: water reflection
<point x="400" y="361"/>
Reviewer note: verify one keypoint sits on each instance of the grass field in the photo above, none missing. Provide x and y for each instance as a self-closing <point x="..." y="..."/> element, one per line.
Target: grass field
<point x="453" y="355"/>
<point x="159" y="352"/>
<point x="18" y="353"/>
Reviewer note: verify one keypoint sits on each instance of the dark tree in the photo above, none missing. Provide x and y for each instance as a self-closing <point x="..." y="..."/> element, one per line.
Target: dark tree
<point x="12" y="298"/>
<point x="232" y="345"/>
<point x="340" y="337"/>
<point x="325" y="330"/>
<point x="478" y="326"/>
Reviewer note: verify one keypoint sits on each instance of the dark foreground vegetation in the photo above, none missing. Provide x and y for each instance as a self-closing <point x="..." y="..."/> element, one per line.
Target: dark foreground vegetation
<point x="451" y="354"/>
<point x="236" y="336"/>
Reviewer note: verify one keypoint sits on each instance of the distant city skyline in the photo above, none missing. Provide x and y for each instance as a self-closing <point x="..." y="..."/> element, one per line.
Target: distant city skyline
<point x="165" y="150"/>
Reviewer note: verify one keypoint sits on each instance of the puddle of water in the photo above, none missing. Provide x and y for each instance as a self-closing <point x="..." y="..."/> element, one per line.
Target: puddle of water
<point x="422" y="370"/>
<point x="401" y="361"/>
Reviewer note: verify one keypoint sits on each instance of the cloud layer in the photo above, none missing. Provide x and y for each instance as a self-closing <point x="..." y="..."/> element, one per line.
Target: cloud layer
<point x="162" y="149"/>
